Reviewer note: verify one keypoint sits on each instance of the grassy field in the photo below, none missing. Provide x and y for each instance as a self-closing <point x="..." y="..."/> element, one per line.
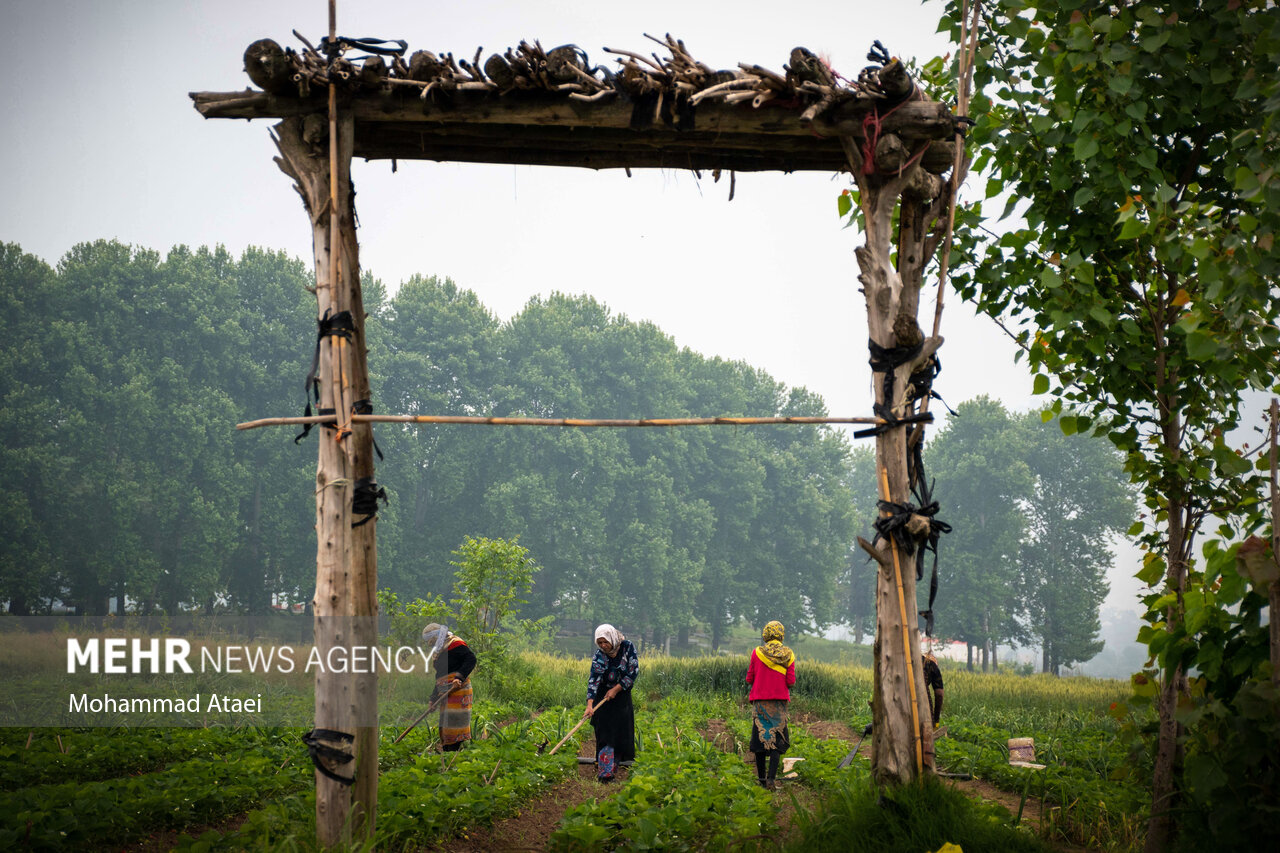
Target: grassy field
<point x="247" y="787"/>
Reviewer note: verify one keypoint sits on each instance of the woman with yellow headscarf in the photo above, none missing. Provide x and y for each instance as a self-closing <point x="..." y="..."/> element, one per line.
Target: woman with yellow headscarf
<point x="771" y="674"/>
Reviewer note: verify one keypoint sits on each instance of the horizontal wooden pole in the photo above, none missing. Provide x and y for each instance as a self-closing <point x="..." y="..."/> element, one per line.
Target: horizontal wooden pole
<point x="558" y="422"/>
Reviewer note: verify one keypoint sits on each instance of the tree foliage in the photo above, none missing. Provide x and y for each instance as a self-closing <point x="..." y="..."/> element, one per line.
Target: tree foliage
<point x="983" y="482"/>
<point x="1137" y="142"/>
<point x="125" y="371"/>
<point x="1078" y="502"/>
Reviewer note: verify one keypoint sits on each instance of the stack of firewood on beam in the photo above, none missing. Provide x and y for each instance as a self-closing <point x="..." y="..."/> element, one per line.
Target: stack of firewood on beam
<point x="662" y="91"/>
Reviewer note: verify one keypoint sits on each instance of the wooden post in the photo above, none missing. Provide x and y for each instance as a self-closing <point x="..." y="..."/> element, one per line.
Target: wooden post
<point x="346" y="558"/>
<point x="902" y="734"/>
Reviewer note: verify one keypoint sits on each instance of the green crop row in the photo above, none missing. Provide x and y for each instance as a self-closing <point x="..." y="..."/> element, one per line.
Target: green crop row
<point x="431" y="797"/>
<point x="686" y="793"/>
<point x="74" y="814"/>
<point x="84" y="755"/>
<point x="223" y="771"/>
<point x="1090" y="797"/>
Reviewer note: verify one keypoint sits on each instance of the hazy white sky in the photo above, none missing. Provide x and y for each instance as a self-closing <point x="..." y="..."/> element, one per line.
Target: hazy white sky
<point x="99" y="140"/>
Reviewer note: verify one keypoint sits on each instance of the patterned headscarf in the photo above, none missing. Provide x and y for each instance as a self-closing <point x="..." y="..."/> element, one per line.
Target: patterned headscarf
<point x="610" y="633"/>
<point x="773" y="650"/>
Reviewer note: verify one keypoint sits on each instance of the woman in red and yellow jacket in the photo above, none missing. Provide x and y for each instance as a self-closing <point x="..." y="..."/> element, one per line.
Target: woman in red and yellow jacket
<point x="771" y="674"/>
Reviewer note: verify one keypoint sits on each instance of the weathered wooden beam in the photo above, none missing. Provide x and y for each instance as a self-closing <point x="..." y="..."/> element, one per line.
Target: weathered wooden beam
<point x="912" y="120"/>
<point x="597" y="149"/>
<point x="548" y="130"/>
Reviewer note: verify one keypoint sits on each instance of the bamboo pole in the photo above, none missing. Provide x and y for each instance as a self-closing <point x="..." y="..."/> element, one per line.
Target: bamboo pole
<point x="959" y="166"/>
<point x="906" y="635"/>
<point x="560" y="422"/>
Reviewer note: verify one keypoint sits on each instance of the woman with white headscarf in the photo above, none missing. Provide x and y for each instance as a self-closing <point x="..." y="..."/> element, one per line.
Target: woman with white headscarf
<point x="453" y="668"/>
<point x="614" y="668"/>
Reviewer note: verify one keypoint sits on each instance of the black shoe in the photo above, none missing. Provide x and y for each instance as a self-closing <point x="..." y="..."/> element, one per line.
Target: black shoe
<point x="762" y="783"/>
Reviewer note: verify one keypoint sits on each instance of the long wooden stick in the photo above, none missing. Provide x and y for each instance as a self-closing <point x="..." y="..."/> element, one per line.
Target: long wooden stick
<point x="560" y="422"/>
<point x="959" y="168"/>
<point x="575" y="729"/>
<point x="434" y="705"/>
<point x="906" y="637"/>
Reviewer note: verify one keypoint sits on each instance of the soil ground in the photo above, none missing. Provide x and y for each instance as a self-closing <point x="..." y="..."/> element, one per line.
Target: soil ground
<point x="530" y="828"/>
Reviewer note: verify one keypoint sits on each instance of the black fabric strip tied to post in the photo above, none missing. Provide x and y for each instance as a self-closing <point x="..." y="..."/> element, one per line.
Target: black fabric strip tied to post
<point x="323" y="751"/>
<point x="341" y="325"/>
<point x="335" y="48"/>
<point x="885" y="360"/>
<point x="922" y="383"/>
<point x="365" y="407"/>
<point x="891" y="422"/>
<point x="306" y="429"/>
<point x="364" y="500"/>
<point x="895" y="526"/>
<point x="929" y="509"/>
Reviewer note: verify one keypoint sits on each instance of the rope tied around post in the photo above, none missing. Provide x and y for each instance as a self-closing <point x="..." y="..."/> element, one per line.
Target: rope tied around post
<point x="321" y="752"/>
<point x="341" y="325"/>
<point x="364" y="500"/>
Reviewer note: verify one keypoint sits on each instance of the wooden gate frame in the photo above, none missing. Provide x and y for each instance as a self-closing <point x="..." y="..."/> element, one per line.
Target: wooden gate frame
<point x="538" y="107"/>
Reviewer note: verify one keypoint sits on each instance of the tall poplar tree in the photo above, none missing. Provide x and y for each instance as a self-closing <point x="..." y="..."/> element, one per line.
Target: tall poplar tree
<point x="1138" y="142"/>
<point x="1079" y="501"/>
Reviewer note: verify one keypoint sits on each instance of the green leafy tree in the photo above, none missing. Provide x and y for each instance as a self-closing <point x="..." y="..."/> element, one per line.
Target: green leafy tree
<point x="861" y="581"/>
<point x="732" y="479"/>
<point x="268" y="358"/>
<point x="432" y="352"/>
<point x="1079" y="500"/>
<point x="1138" y="143"/>
<point x="492" y="576"/>
<point x="32" y="358"/>
<point x="799" y="546"/>
<point x="983" y="480"/>
<point x="146" y="413"/>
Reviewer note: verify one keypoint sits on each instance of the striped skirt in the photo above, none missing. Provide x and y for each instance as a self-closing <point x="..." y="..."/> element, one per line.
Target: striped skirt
<point x="455" y="716"/>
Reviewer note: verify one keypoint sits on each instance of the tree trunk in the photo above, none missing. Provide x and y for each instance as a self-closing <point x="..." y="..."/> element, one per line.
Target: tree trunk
<point x="902" y="743"/>
<point x="1166" y="772"/>
<point x="986" y="639"/>
<point x="343" y="606"/>
<point x="1273" y="596"/>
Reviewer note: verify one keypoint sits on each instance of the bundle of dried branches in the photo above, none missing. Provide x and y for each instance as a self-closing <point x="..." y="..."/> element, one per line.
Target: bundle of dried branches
<point x="665" y="88"/>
